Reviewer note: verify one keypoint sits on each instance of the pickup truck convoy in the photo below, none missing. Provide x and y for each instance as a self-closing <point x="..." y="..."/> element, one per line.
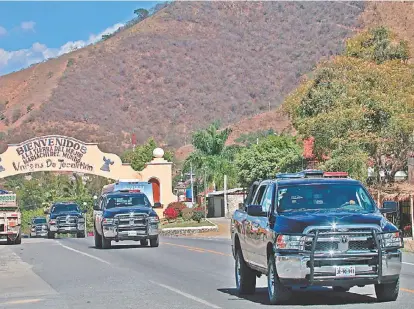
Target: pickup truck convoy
<point x="10" y="218"/>
<point x="38" y="227"/>
<point x="124" y="212"/>
<point x="64" y="218"/>
<point x="314" y="229"/>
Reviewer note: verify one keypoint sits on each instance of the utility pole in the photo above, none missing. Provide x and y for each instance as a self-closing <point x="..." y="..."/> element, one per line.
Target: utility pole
<point x="192" y="184"/>
<point x="205" y="194"/>
<point x="225" y="195"/>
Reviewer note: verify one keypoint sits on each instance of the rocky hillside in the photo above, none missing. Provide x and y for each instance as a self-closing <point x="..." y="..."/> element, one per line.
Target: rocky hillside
<point x="177" y="71"/>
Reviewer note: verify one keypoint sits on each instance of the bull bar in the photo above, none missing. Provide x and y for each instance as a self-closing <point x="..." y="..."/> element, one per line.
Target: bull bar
<point x="378" y="251"/>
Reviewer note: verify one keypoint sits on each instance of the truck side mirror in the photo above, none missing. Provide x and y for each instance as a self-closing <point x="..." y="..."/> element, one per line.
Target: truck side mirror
<point x="157" y="205"/>
<point x="389" y="207"/>
<point x="255" y="211"/>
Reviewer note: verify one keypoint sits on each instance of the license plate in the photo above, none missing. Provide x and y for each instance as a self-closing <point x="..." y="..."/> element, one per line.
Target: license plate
<point x="132" y="233"/>
<point x="345" y="271"/>
<point x="67" y="228"/>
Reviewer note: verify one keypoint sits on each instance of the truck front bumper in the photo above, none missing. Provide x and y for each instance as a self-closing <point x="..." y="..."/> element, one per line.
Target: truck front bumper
<point x="112" y="232"/>
<point x="296" y="269"/>
<point x="67" y="229"/>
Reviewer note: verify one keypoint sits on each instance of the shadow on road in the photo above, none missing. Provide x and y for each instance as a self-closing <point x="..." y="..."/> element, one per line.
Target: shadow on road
<point x="119" y="247"/>
<point x="322" y="296"/>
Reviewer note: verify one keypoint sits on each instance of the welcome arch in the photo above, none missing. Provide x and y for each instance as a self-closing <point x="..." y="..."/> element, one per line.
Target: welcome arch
<point x="56" y="153"/>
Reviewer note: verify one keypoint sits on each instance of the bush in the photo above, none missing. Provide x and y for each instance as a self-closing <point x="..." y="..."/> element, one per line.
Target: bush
<point x="16" y="115"/>
<point x="198" y="214"/>
<point x="170" y="214"/>
<point x="187" y="214"/>
<point x="178" y="206"/>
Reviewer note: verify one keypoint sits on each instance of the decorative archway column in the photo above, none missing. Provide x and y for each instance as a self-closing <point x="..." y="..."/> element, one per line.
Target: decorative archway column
<point x="161" y="170"/>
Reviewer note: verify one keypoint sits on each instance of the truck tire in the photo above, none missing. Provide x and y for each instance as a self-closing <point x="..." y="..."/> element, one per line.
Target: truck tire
<point x="98" y="239"/>
<point x="154" y="242"/>
<point x="50" y="235"/>
<point x="387" y="291"/>
<point x="277" y="292"/>
<point x="80" y="235"/>
<point x="144" y="242"/>
<point x="106" y="243"/>
<point x="9" y="241"/>
<point x="245" y="277"/>
<point x="18" y="239"/>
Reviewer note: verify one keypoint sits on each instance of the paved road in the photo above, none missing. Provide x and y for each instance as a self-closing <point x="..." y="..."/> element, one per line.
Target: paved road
<point x="182" y="273"/>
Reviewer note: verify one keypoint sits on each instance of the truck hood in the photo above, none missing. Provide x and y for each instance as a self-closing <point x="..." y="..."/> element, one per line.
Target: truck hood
<point x="65" y="213"/>
<point x="110" y="213"/>
<point x="297" y="222"/>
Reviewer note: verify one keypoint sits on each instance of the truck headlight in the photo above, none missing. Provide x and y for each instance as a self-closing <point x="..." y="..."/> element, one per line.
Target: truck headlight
<point x="289" y="242"/>
<point x="108" y="221"/>
<point x="392" y="239"/>
<point x="81" y="220"/>
<point x="154" y="219"/>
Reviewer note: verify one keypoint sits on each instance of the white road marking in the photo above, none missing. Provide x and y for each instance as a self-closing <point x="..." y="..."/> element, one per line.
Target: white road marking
<point x="407" y="263"/>
<point x="85" y="254"/>
<point x="201" y="301"/>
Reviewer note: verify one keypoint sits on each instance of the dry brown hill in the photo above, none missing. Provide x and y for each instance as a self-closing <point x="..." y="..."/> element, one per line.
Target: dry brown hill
<point x="177" y="71"/>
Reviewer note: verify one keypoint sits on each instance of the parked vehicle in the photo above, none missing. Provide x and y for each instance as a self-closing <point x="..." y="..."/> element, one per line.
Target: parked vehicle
<point x="10" y="218"/>
<point x="38" y="227"/>
<point x="65" y="218"/>
<point x="305" y="229"/>
<point x="123" y="212"/>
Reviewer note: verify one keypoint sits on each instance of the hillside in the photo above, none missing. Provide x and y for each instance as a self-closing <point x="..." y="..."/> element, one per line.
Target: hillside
<point x="177" y="71"/>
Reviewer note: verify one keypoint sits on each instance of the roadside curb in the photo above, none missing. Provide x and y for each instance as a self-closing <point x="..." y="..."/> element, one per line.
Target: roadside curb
<point x="176" y="231"/>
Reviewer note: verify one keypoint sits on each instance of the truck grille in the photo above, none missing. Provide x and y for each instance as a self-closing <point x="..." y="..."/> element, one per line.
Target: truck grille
<point x="362" y="240"/>
<point x="63" y="221"/>
<point x="131" y="222"/>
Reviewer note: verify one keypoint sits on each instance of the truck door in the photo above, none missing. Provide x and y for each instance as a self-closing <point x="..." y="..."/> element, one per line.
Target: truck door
<point x="253" y="227"/>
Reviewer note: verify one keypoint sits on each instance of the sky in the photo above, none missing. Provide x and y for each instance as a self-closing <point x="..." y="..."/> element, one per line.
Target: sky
<point x="33" y="31"/>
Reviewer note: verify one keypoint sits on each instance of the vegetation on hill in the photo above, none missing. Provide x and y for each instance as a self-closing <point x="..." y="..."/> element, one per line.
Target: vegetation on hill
<point x="359" y="106"/>
<point x="179" y="70"/>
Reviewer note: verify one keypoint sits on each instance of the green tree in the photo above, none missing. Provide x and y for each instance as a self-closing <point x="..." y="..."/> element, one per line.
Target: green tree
<point x="212" y="157"/>
<point x="273" y="154"/>
<point x="143" y="154"/>
<point x="141" y="13"/>
<point x="359" y="102"/>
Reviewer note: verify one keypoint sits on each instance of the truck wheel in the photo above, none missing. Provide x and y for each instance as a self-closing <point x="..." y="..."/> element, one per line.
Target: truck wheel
<point x="18" y="240"/>
<point x="154" y="242"/>
<point x="277" y="292"/>
<point x="245" y="277"/>
<point x="106" y="243"/>
<point x="144" y="242"/>
<point x="50" y="235"/>
<point x="387" y="291"/>
<point x="80" y="235"/>
<point x="98" y="239"/>
<point x="9" y="241"/>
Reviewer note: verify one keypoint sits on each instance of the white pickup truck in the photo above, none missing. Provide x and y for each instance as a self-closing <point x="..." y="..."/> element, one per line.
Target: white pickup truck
<point x="10" y="218"/>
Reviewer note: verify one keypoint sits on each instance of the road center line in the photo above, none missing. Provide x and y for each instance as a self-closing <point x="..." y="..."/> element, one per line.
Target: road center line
<point x="407" y="263"/>
<point x="189" y="296"/>
<point x="22" y="301"/>
<point x="407" y="290"/>
<point x="197" y="249"/>
<point x="85" y="254"/>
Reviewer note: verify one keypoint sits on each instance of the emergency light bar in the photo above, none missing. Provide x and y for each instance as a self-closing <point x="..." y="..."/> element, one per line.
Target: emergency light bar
<point x="335" y="175"/>
<point x="303" y="174"/>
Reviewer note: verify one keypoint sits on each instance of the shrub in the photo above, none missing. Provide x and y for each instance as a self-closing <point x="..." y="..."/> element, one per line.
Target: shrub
<point x="16" y="115"/>
<point x="187" y="214"/>
<point x="198" y="214"/>
<point x="30" y="107"/>
<point x="170" y="214"/>
<point x="178" y="206"/>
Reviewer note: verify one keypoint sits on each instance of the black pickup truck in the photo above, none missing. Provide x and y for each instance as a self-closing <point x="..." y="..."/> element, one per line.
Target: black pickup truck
<point x="304" y="229"/>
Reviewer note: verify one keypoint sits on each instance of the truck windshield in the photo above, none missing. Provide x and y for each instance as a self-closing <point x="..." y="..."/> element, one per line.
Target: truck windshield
<point x="130" y="200"/>
<point x="65" y="208"/>
<point x="39" y="221"/>
<point x="324" y="197"/>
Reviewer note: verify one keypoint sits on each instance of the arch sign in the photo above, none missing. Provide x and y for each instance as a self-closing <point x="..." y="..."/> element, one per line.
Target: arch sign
<point x="62" y="154"/>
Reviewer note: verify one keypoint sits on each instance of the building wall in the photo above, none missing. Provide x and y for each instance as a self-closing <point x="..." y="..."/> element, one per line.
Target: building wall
<point x="233" y="202"/>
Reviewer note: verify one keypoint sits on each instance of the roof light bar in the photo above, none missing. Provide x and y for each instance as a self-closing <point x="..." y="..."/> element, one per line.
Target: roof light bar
<point x="303" y="174"/>
<point x="335" y="175"/>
